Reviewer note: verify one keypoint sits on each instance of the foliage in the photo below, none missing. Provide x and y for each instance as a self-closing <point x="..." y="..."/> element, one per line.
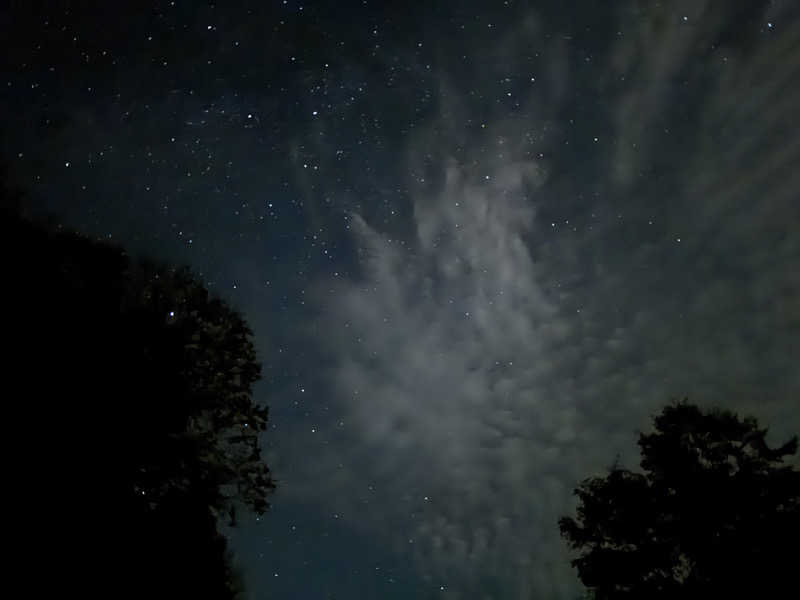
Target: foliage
<point x="206" y="346"/>
<point x="130" y="416"/>
<point x="714" y="514"/>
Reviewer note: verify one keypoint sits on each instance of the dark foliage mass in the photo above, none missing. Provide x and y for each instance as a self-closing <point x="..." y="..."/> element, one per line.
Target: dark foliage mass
<point x="129" y="417"/>
<point x="715" y="515"/>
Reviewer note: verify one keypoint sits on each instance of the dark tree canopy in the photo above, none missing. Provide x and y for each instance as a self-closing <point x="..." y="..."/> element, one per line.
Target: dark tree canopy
<point x="131" y="418"/>
<point x="201" y="350"/>
<point x="715" y="515"/>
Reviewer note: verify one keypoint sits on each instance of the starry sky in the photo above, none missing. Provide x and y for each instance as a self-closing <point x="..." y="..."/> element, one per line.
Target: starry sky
<point x="479" y="243"/>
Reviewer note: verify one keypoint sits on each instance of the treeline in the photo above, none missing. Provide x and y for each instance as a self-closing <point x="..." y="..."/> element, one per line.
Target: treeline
<point x="130" y="424"/>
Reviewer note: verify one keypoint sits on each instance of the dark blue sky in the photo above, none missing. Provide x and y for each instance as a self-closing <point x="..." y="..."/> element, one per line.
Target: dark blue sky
<point x="479" y="245"/>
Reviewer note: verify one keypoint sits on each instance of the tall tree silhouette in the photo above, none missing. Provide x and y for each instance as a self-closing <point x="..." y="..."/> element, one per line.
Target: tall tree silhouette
<point x="131" y="420"/>
<point x="714" y="515"/>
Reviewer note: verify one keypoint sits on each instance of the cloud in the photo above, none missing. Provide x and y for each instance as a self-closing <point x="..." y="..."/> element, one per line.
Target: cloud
<point x="444" y="372"/>
<point x="487" y="362"/>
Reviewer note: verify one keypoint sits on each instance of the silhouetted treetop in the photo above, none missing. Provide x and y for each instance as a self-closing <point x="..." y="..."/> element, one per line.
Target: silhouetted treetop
<point x="132" y="421"/>
<point x="715" y="514"/>
<point x="207" y="346"/>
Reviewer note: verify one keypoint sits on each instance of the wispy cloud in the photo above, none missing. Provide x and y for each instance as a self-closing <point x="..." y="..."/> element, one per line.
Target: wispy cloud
<point x="486" y="363"/>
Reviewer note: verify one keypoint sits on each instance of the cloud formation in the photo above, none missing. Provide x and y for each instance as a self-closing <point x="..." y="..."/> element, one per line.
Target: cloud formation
<point x="446" y="359"/>
<point x="490" y="360"/>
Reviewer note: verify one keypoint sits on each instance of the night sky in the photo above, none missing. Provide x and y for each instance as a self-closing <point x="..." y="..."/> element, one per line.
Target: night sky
<point x="479" y="244"/>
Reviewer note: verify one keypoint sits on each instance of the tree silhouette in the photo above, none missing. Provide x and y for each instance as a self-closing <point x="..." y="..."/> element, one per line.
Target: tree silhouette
<point x="200" y="350"/>
<point x="713" y="516"/>
<point x="131" y="423"/>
